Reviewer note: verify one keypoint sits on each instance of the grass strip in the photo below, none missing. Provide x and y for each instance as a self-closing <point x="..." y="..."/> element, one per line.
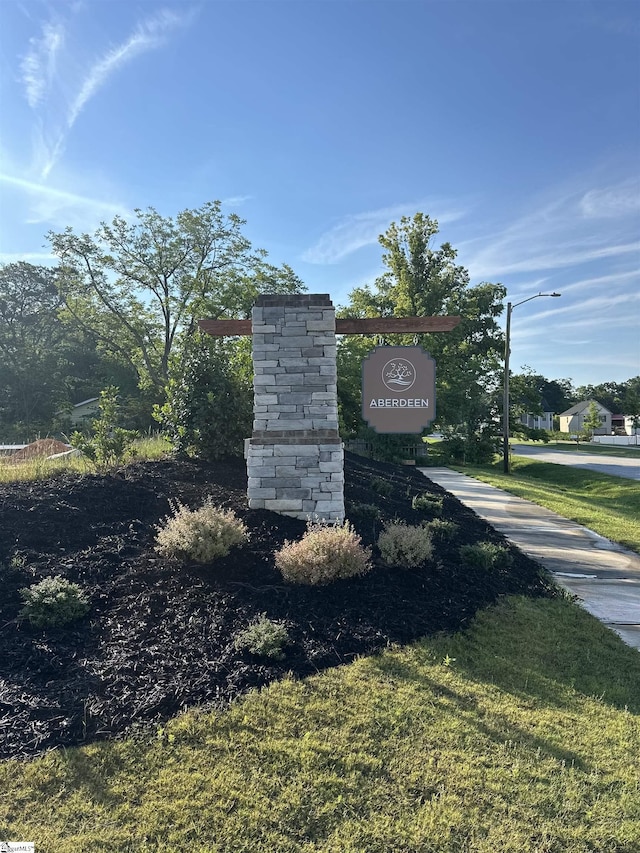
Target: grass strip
<point x="41" y="468"/>
<point x="520" y="734"/>
<point x="587" y="447"/>
<point x="609" y="505"/>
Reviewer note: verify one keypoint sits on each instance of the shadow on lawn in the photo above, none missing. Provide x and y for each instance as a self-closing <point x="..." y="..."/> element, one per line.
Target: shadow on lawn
<point x="539" y="651"/>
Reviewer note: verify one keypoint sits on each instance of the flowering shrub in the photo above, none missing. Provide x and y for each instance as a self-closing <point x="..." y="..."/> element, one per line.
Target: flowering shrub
<point x="325" y="553"/>
<point x="404" y="545"/>
<point x="53" y="602"/>
<point x="201" y="534"/>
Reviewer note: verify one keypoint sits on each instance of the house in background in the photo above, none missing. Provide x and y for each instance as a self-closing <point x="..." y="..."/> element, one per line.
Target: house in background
<point x="84" y="412"/>
<point x="543" y="421"/>
<point x="572" y="421"/>
<point x="624" y="425"/>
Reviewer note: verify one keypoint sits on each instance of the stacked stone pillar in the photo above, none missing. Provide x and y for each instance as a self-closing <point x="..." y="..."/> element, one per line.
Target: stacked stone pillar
<point x="295" y="457"/>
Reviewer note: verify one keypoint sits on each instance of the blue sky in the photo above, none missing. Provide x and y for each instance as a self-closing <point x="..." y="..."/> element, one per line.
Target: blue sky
<point x="515" y="124"/>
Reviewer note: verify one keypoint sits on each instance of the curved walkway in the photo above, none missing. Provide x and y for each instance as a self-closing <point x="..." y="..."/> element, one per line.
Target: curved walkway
<point x="615" y="466"/>
<point x="603" y="575"/>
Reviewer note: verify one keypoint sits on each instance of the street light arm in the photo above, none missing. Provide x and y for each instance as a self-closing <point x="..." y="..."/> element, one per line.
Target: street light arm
<point x="533" y="297"/>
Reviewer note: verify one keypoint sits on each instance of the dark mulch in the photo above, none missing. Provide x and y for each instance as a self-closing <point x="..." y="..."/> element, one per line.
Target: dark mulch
<point x="160" y="636"/>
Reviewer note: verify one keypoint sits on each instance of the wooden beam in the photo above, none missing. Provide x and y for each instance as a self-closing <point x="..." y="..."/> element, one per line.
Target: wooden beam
<point x="395" y="325"/>
<point x="220" y="328"/>
<point x="348" y="326"/>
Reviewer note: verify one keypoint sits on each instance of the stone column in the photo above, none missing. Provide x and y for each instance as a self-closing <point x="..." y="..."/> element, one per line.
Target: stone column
<point x="295" y="458"/>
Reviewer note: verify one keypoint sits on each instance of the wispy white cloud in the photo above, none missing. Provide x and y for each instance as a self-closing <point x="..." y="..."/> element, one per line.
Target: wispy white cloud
<point x="55" y="206"/>
<point x="43" y="258"/>
<point x="58" y="96"/>
<point x="619" y="200"/>
<point x="148" y="35"/>
<point x="363" y="229"/>
<point x="38" y="66"/>
<point x="236" y="200"/>
<point x="571" y="229"/>
<point x="596" y="282"/>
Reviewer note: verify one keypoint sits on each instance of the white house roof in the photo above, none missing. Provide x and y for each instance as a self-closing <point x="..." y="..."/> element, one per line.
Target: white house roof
<point x="582" y="407"/>
<point x="84" y="402"/>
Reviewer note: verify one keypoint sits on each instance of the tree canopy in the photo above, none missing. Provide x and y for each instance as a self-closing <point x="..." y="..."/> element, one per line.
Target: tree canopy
<point x="136" y="286"/>
<point x="422" y="280"/>
<point x="46" y="365"/>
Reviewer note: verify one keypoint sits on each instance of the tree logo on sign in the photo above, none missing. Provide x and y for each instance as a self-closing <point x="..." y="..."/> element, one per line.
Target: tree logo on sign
<point x="398" y="374"/>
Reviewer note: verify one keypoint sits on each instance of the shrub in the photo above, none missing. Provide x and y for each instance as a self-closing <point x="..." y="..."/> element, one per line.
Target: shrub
<point x="473" y="449"/>
<point x="209" y="406"/>
<point x="381" y="486"/>
<point x="403" y="545"/>
<point x="53" y="602"/>
<point x="264" y="638"/>
<point x="428" y="502"/>
<point x="325" y="553"/>
<point x="110" y="445"/>
<point x="443" y="530"/>
<point x="486" y="555"/>
<point x="202" y="534"/>
<point x="364" y="511"/>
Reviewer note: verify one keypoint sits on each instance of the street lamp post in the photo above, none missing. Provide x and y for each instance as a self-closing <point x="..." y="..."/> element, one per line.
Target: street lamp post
<point x="505" y="404"/>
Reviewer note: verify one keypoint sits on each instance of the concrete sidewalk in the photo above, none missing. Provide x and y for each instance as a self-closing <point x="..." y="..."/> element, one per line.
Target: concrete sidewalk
<point x="603" y="575"/>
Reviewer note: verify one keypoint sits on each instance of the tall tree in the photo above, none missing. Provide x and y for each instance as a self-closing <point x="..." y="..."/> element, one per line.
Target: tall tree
<point x="608" y="394"/>
<point x="136" y="286"/>
<point x="421" y="280"/>
<point x="46" y="364"/>
<point x="532" y="394"/>
<point x="30" y="334"/>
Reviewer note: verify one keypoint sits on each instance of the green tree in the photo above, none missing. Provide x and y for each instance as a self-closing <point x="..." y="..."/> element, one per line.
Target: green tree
<point x="137" y="286"/>
<point x="559" y="394"/>
<point x="608" y="394"/>
<point x="421" y="280"/>
<point x="593" y="420"/>
<point x="30" y="336"/>
<point x="631" y="401"/>
<point x="47" y="365"/>
<point x="209" y="407"/>
<point x="525" y="393"/>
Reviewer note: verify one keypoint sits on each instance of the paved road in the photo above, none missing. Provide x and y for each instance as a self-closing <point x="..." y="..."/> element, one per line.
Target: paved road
<point x="603" y="575"/>
<point x="617" y="466"/>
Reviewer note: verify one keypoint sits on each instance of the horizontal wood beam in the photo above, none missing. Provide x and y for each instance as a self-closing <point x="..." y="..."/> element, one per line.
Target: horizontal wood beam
<point x="394" y="325"/>
<point x="219" y="328"/>
<point x="348" y="325"/>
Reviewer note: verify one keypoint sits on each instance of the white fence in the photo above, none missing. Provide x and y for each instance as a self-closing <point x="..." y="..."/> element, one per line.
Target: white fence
<point x="624" y="440"/>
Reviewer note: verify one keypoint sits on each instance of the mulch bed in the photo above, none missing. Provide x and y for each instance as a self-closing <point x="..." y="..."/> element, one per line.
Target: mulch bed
<point x="160" y="636"/>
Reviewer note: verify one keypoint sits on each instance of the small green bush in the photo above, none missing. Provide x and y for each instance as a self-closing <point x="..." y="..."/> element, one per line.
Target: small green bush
<point x="264" y="638"/>
<point x="486" y="555"/>
<point x="381" y="486"/>
<point x="428" y="502"/>
<point x="364" y="511"/>
<point x="53" y="602"/>
<point x="110" y="445"/>
<point x="404" y="545"/>
<point x="325" y="553"/>
<point x="201" y="535"/>
<point x="441" y="529"/>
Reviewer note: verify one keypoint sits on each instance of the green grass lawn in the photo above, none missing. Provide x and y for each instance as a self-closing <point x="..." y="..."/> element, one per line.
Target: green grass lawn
<point x="521" y="734"/>
<point x="39" y="468"/>
<point x="608" y="505"/>
<point x="626" y="452"/>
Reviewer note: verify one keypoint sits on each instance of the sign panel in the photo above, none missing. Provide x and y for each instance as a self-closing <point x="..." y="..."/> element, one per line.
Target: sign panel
<point x="398" y="389"/>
